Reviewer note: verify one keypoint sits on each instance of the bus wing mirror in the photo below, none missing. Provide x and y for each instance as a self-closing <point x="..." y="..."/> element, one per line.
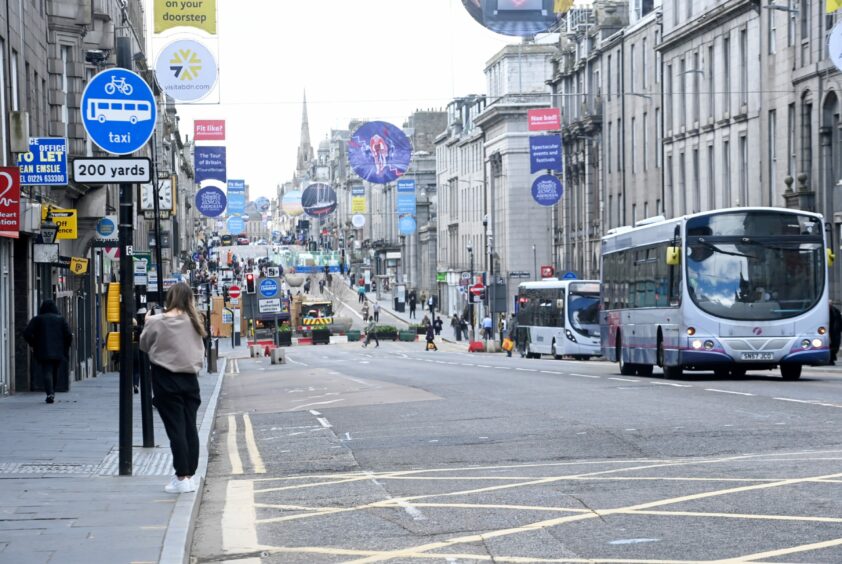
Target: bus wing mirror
<point x="673" y="256"/>
<point x="830" y="257"/>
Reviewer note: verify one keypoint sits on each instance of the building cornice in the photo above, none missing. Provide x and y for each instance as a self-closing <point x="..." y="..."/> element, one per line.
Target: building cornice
<point x="710" y="19"/>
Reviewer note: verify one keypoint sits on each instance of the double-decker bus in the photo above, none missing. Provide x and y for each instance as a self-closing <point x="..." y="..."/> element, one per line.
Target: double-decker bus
<point x="558" y="317"/>
<point x="728" y="290"/>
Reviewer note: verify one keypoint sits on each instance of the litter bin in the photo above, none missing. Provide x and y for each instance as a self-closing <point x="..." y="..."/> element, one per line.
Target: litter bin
<point x="213" y="354"/>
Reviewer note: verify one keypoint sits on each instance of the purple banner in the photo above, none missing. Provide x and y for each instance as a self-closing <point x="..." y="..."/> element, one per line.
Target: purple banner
<point x="210" y="164"/>
<point x="379" y="152"/>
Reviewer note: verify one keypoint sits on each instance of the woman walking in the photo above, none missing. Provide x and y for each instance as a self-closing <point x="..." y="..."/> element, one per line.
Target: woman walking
<point x="431" y="339"/>
<point x="174" y="342"/>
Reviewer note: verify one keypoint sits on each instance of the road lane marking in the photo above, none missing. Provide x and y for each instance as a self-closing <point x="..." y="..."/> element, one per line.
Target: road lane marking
<point x="318" y="403"/>
<point x="671" y="384"/>
<point x="406" y="506"/>
<point x="586" y="376"/>
<point x="251" y="446"/>
<point x="292" y="360"/>
<point x="239" y="529"/>
<point x="551" y="372"/>
<point x="324" y="422"/>
<point x="624" y="379"/>
<point x="233" y="449"/>
<point x="718" y="391"/>
<point x="526" y="370"/>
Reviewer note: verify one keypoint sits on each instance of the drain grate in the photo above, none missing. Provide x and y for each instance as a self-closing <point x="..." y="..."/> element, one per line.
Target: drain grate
<point x="143" y="464"/>
<point x="27" y="468"/>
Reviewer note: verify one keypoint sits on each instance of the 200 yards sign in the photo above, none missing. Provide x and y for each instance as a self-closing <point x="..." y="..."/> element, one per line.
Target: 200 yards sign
<point x="112" y="171"/>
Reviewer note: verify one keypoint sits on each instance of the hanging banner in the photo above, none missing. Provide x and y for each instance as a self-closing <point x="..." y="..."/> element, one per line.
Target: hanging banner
<point x="519" y="18"/>
<point x="319" y="200"/>
<point x="200" y="14"/>
<point x="547" y="190"/>
<point x="10" y="202"/>
<point x="186" y="70"/>
<point x="545" y="153"/>
<point x="211" y="201"/>
<point x="209" y="130"/>
<point x="236" y="197"/>
<point x="544" y="119"/>
<point x="291" y="204"/>
<point x="358" y="203"/>
<point x="45" y="164"/>
<point x="379" y="152"/>
<point x="406" y="196"/>
<point x="834" y="44"/>
<point x="210" y="164"/>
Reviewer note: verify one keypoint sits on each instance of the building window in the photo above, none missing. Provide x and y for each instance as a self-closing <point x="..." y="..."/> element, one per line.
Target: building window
<point x="743" y="170"/>
<point x="670" y="188"/>
<point x="682" y="95"/>
<point x="772" y="31"/>
<point x="790" y="140"/>
<point x="711" y="179"/>
<point x="633" y="146"/>
<point x="669" y="102"/>
<point x="620" y="145"/>
<point x="2" y="100"/>
<point x="28" y="98"/>
<point x="743" y="68"/>
<point x="697" y="185"/>
<point x="65" y="86"/>
<point x="682" y="184"/>
<point x="608" y="82"/>
<point x="675" y="13"/>
<point x="806" y="137"/>
<point x="710" y="74"/>
<point x="608" y="147"/>
<point x="726" y="174"/>
<point x="697" y="94"/>
<point x="773" y="155"/>
<point x="14" y="82"/>
<point x="726" y="74"/>
<point x="658" y="148"/>
<point x="643" y="71"/>
<point x="619" y="73"/>
<point x="632" y="69"/>
<point x="645" y="141"/>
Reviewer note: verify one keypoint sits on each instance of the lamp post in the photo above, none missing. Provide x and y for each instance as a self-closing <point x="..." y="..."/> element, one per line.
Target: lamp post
<point x="535" y="262"/>
<point x="470" y="248"/>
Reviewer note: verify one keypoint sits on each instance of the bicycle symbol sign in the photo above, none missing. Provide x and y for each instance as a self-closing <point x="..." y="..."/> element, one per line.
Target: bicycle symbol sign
<point x="118" y="111"/>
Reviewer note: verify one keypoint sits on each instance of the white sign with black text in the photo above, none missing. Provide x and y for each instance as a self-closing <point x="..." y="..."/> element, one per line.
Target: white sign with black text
<point x="269" y="306"/>
<point x="128" y="170"/>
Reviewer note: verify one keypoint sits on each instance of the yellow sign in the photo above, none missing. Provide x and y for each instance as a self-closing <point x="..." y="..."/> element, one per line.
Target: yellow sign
<point x="200" y="14"/>
<point x="358" y="204"/>
<point x="833" y="5"/>
<point x="65" y="219"/>
<point x="317" y="321"/>
<point x="79" y="266"/>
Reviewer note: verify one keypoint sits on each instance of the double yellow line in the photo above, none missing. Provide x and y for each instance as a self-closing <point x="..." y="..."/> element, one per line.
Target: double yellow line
<point x="251" y="447"/>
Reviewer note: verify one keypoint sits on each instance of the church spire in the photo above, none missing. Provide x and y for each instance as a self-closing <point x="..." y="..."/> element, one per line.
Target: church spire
<point x="305" y="150"/>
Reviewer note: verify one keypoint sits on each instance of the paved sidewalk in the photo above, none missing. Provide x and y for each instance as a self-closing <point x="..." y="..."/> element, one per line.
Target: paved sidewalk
<point x="61" y="500"/>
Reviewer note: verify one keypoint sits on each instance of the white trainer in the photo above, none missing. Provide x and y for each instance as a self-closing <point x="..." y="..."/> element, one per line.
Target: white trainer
<point x="177" y="486"/>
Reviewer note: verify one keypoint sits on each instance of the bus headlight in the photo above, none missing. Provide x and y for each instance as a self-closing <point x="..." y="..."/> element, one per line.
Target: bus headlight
<point x="708" y="345"/>
<point x="570" y="336"/>
<point x="696" y="344"/>
<point x="691" y="331"/>
<point x="805" y="344"/>
<point x="817" y="343"/>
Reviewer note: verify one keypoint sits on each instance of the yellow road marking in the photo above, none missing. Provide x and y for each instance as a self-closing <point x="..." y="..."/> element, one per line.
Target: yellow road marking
<point x="239" y="533"/>
<point x="251" y="446"/>
<point x="233" y="451"/>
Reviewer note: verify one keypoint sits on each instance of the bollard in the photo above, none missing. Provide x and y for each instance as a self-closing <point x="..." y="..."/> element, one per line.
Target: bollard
<point x="278" y="356"/>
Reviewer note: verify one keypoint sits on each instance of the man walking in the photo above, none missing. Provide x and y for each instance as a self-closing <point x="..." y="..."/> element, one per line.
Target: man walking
<point x="49" y="336"/>
<point x="376" y="311"/>
<point x="431" y="303"/>
<point x="371" y="333"/>
<point x="486" y="327"/>
<point x="413" y="303"/>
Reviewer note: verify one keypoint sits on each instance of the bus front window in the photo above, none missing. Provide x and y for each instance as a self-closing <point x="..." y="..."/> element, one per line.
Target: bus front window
<point x="754" y="278"/>
<point x="583" y="310"/>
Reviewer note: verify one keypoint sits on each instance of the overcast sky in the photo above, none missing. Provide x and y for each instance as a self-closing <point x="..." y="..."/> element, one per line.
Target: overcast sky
<point x="370" y="59"/>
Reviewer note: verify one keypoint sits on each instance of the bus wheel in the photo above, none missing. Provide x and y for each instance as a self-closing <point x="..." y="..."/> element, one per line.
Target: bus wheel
<point x="671" y="372"/>
<point x="554" y="353"/>
<point x="626" y="369"/>
<point x="791" y="371"/>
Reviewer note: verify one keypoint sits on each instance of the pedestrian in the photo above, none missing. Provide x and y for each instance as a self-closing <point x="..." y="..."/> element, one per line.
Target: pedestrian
<point x="321" y="286"/>
<point x="486" y="327"/>
<point x="49" y="336"/>
<point x="431" y="304"/>
<point x="365" y="311"/>
<point x="456" y="323"/>
<point x="835" y="331"/>
<point x="437" y="325"/>
<point x="307" y="286"/>
<point x="360" y="293"/>
<point x="374" y="285"/>
<point x="502" y="327"/>
<point x="413" y="303"/>
<point x="174" y="342"/>
<point x="425" y="321"/>
<point x="376" y="311"/>
<point x="512" y="333"/>
<point x="431" y="339"/>
<point x="371" y="333"/>
<point x="465" y="328"/>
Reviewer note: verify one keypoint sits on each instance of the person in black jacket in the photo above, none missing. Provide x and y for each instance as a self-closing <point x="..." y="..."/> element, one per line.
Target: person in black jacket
<point x="49" y="336"/>
<point x="835" y="331"/>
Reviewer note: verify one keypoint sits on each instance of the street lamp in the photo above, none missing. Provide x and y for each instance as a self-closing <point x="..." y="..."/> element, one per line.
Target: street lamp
<point x="470" y="248"/>
<point x="49" y="229"/>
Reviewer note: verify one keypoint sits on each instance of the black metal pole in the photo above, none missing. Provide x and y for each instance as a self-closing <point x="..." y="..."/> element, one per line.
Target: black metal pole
<point x="124" y="60"/>
<point x="471" y="299"/>
<point x="157" y="210"/>
<point x="208" y="326"/>
<point x="146" y="403"/>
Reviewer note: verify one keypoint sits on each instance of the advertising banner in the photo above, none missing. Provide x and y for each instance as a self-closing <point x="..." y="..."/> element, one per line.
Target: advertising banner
<point x="291" y="203"/>
<point x="545" y="153"/>
<point x="406" y="196"/>
<point x="45" y="164"/>
<point x="544" y="119"/>
<point x="186" y="70"/>
<point x="547" y="190"/>
<point x="379" y="152"/>
<point x="10" y="202"/>
<point x="519" y="18"/>
<point x="210" y="164"/>
<point x="319" y="200"/>
<point x="236" y="197"/>
<point x="65" y="219"/>
<point x="209" y="130"/>
<point x="235" y="225"/>
<point x="358" y="203"/>
<point x="211" y="201"/>
<point x="200" y="14"/>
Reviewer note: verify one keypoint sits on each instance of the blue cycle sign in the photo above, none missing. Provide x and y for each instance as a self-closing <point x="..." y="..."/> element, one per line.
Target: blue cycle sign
<point x="118" y="111"/>
<point x="268" y="288"/>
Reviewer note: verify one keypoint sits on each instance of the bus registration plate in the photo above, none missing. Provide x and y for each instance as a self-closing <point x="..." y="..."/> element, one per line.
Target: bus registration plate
<point x="757" y="356"/>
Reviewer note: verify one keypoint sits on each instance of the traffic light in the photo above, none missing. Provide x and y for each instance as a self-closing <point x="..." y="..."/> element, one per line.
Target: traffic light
<point x="249" y="283"/>
<point x="225" y="293"/>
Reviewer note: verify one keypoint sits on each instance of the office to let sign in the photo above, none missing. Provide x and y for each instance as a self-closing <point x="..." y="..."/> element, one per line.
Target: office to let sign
<point x="45" y="164"/>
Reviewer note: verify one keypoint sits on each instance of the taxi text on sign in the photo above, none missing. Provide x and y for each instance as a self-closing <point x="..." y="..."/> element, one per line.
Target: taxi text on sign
<point x="200" y="14"/>
<point x="65" y="219"/>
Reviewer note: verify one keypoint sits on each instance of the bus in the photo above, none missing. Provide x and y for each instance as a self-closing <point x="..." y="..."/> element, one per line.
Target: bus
<point x="559" y="318"/>
<point x="727" y="290"/>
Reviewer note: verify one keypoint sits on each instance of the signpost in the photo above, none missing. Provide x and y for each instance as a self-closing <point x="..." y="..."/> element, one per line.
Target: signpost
<point x="476" y="289"/>
<point x="234" y="292"/>
<point x="111" y="171"/>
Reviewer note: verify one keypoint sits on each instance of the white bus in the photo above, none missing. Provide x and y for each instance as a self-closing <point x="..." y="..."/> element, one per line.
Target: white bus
<point x="126" y="110"/>
<point x="728" y="290"/>
<point x="558" y="317"/>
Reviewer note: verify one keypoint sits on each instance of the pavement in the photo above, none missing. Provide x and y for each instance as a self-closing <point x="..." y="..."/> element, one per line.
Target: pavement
<point x="62" y="500"/>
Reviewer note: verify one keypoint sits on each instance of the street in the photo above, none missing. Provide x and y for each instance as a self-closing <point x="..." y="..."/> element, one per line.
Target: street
<point x="396" y="454"/>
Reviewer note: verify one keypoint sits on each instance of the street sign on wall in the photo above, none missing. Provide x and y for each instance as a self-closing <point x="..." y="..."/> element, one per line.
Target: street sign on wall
<point x="45" y="164"/>
<point x="118" y="111"/>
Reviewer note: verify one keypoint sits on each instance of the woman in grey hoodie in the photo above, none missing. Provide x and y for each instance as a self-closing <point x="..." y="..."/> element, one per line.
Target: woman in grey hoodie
<point x="173" y="341"/>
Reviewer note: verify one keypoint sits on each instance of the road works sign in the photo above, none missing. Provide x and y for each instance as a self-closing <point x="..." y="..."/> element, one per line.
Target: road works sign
<point x="118" y="111"/>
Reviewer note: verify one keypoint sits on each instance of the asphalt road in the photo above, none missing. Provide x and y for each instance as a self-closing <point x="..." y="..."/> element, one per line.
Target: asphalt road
<point x="396" y="454"/>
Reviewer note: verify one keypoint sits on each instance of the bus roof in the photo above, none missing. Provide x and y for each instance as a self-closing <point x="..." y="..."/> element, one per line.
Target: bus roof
<point x="548" y="284"/>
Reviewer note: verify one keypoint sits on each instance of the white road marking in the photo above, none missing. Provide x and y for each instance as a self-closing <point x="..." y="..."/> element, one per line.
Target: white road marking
<point x="483" y="366"/>
<point x="624" y="379"/>
<point x="413" y="512"/>
<point x="633" y="541"/>
<point x="360" y="382"/>
<point x="233" y="452"/>
<point x="526" y="370"/>
<point x="239" y="529"/>
<point x="728" y="392"/>
<point x="551" y="372"/>
<point x="585" y="376"/>
<point x="811" y="402"/>
<point x="319" y="403"/>
<point x="324" y="423"/>
<point x="251" y="446"/>
<point x="465" y="364"/>
<point x="673" y="385"/>
<point x="292" y="360"/>
<point x="314" y="412"/>
<point x="348" y="437"/>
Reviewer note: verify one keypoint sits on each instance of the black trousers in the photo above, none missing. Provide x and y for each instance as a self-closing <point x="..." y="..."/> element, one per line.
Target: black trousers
<point x="177" y="398"/>
<point x="49" y="374"/>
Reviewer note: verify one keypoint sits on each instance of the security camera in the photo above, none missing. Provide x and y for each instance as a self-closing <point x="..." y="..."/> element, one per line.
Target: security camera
<point x="97" y="57"/>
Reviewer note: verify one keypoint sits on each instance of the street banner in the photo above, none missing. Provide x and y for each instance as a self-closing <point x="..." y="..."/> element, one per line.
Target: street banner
<point x="200" y="14"/>
<point x="406" y="196"/>
<point x="291" y="203"/>
<point x="834" y="44"/>
<point x="519" y="18"/>
<point x="358" y="203"/>
<point x="544" y="119"/>
<point x="832" y="6"/>
<point x="209" y="130"/>
<point x="9" y="202"/>
<point x="545" y="153"/>
<point x="211" y="201"/>
<point x="379" y="152"/>
<point x="407" y="225"/>
<point x="547" y="190"/>
<point x="236" y="197"/>
<point x="45" y="164"/>
<point x="319" y="200"/>
<point x="235" y="225"/>
<point x="186" y="70"/>
<point x="263" y="204"/>
<point x="65" y="219"/>
<point x="210" y="164"/>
